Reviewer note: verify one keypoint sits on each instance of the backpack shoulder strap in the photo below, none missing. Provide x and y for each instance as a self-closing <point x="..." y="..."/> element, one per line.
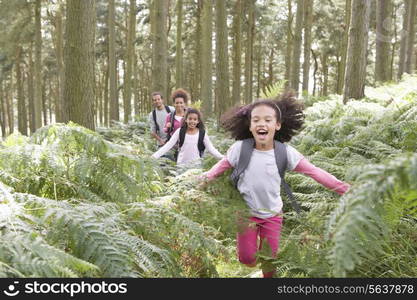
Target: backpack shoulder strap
<point x="154" y="119"/>
<point x="172" y="118"/>
<point x="200" y="145"/>
<point x="182" y="136"/>
<point x="167" y="109"/>
<point x="244" y="159"/>
<point x="281" y="160"/>
<point x="280" y="157"/>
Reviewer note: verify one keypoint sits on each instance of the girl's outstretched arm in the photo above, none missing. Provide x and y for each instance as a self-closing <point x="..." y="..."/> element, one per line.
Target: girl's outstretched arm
<point x="321" y="176"/>
<point x="168" y="145"/>
<point x="210" y="148"/>
<point x="217" y="169"/>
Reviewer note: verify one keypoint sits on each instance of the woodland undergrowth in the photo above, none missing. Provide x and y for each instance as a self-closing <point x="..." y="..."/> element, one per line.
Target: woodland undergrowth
<point x="77" y="203"/>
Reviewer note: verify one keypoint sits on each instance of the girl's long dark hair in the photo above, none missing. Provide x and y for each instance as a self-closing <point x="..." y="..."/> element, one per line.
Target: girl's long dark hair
<point x="288" y="110"/>
<point x="200" y="124"/>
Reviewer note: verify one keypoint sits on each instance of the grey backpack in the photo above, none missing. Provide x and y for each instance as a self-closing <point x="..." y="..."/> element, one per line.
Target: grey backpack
<point x="280" y="159"/>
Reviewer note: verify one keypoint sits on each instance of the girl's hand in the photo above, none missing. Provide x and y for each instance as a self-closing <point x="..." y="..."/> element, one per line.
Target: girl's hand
<point x="202" y="181"/>
<point x="168" y="125"/>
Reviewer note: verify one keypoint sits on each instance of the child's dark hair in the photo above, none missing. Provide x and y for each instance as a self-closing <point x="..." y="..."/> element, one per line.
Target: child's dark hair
<point x="200" y="124"/>
<point x="179" y="93"/>
<point x="289" y="112"/>
<point x="156" y="94"/>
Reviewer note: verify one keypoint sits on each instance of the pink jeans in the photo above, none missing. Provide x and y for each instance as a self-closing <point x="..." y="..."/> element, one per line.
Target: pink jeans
<point x="268" y="230"/>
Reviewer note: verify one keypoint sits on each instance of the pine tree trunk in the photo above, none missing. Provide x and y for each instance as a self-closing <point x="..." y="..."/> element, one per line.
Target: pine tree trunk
<point x="59" y="45"/>
<point x="404" y="39"/>
<point x="296" y="54"/>
<point x="114" y="100"/>
<point x="136" y="85"/>
<point x="3" y="109"/>
<point x="159" y="47"/>
<point x="357" y="48"/>
<point x="395" y="43"/>
<point x="178" y="53"/>
<point x="31" y="91"/>
<point x="383" y="40"/>
<point x="21" y="105"/>
<point x="271" y="78"/>
<point x="194" y="78"/>
<point x="325" y="71"/>
<point x="259" y="71"/>
<point x="308" y="23"/>
<point x="10" y="107"/>
<point x="206" y="57"/>
<point x="44" y="99"/>
<point x="130" y="49"/>
<point x="79" y="62"/>
<point x="411" y="32"/>
<point x="38" y="64"/>
<point x="106" y="97"/>
<point x="316" y="67"/>
<point x="237" y="52"/>
<point x="344" y="46"/>
<point x="288" y="53"/>
<point x="248" y="90"/>
<point x="222" y="65"/>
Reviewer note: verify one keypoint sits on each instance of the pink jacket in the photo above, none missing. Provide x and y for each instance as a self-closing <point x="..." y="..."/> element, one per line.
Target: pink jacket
<point x="177" y="124"/>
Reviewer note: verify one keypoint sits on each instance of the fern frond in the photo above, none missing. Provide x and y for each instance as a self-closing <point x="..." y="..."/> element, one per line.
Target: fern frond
<point x="357" y="226"/>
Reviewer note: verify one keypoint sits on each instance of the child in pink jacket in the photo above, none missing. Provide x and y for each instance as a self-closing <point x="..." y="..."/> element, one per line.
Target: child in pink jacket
<point x="266" y="121"/>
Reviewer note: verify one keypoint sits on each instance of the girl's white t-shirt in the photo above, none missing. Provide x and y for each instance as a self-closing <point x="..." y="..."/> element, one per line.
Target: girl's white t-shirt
<point x="260" y="183"/>
<point x="189" y="150"/>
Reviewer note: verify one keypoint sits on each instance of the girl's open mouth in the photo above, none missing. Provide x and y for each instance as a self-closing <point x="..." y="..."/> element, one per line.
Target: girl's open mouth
<point x="262" y="133"/>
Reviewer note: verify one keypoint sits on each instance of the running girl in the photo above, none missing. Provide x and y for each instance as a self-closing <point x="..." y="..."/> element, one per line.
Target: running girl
<point x="265" y="121"/>
<point x="192" y="140"/>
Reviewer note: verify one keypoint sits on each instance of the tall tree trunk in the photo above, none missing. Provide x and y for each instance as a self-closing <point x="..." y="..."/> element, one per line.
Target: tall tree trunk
<point x="130" y="49"/>
<point x="357" y="48"/>
<point x="31" y="91"/>
<point x="411" y="32"/>
<point x="237" y="51"/>
<point x="79" y="62"/>
<point x="288" y="51"/>
<point x="383" y="40"/>
<point x="21" y="105"/>
<point x="325" y="71"/>
<point x="160" y="47"/>
<point x="194" y="78"/>
<point x="394" y="44"/>
<point x="178" y="53"/>
<point x="316" y="67"/>
<point x="10" y="107"/>
<point x="44" y="99"/>
<point x="344" y="46"/>
<point x="3" y="115"/>
<point x="260" y="66"/>
<point x="106" y="96"/>
<point x="248" y="90"/>
<point x="114" y="100"/>
<point x="60" y="105"/>
<point x="296" y="54"/>
<point x="404" y="39"/>
<point x="308" y="23"/>
<point x="271" y="67"/>
<point x="206" y="56"/>
<point x="222" y="64"/>
<point x="136" y="95"/>
<point x="38" y="66"/>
